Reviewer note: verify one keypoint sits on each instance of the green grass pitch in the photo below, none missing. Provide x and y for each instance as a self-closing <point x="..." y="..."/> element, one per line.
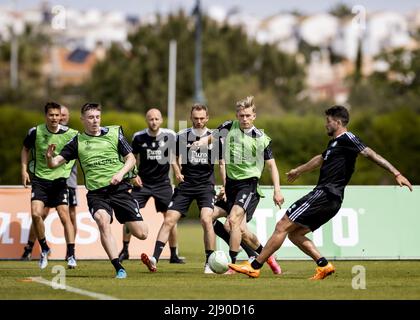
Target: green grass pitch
<point x="384" y="279"/>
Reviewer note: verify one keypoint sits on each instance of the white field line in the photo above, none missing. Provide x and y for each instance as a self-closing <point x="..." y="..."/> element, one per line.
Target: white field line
<point x="94" y="295"/>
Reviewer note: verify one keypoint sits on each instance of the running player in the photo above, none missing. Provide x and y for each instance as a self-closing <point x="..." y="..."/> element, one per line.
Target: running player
<point x="106" y="158"/>
<point x="49" y="188"/>
<point x="321" y="204"/>
<point x="246" y="150"/>
<point x="72" y="199"/>
<point x="196" y="182"/>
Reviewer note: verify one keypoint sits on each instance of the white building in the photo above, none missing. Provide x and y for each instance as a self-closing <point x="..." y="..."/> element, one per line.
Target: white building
<point x="281" y="30"/>
<point x="249" y="23"/>
<point x="386" y="30"/>
<point x="319" y="30"/>
<point x="346" y="41"/>
<point x="87" y="29"/>
<point x="10" y="20"/>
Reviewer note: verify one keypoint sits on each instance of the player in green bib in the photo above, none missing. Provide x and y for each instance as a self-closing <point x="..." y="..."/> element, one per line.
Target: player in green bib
<point x="106" y="160"/>
<point x="49" y="188"/>
<point x="72" y="200"/>
<point x="246" y="151"/>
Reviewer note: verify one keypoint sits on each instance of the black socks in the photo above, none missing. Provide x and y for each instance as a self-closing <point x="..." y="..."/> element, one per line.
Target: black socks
<point x="117" y="265"/>
<point x="256" y="265"/>
<point x="208" y="253"/>
<point x="43" y="244"/>
<point x="125" y="245"/>
<point x="173" y="252"/>
<point x="70" y="249"/>
<point x="30" y="245"/>
<point x="322" y="262"/>
<point x="233" y="255"/>
<point x="159" y="245"/>
<point x="221" y="232"/>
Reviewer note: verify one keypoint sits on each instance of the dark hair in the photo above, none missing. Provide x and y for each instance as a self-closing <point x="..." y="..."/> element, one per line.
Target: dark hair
<point x="339" y="112"/>
<point x="90" y="106"/>
<point x="199" y="107"/>
<point x="51" y="105"/>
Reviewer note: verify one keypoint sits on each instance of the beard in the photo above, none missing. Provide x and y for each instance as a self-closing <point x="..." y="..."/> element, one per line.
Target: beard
<point x="330" y="132"/>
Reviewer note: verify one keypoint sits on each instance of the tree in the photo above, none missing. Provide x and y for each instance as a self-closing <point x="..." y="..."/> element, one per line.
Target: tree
<point x="32" y="90"/>
<point x="137" y="79"/>
<point x="395" y="86"/>
<point x="340" y="10"/>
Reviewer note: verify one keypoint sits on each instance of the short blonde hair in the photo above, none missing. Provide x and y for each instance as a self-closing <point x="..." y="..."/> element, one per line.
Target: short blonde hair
<point x="246" y="103"/>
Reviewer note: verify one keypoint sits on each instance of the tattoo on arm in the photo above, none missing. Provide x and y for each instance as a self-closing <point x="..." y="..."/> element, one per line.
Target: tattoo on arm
<point x="379" y="160"/>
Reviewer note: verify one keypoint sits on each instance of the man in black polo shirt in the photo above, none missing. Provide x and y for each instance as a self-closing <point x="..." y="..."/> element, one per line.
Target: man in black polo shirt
<point x="321" y="204"/>
<point x="195" y="174"/>
<point x="154" y="148"/>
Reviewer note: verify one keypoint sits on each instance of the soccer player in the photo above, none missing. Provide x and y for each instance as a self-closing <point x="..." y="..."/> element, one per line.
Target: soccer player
<point x="246" y="150"/>
<point x="106" y="158"/>
<point x="321" y="204"/>
<point x="222" y="230"/>
<point x="49" y="188"/>
<point x="154" y="148"/>
<point x="196" y="182"/>
<point x="72" y="180"/>
<point x="72" y="199"/>
<point x="249" y="243"/>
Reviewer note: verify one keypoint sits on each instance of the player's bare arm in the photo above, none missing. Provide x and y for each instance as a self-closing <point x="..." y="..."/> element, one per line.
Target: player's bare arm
<point x="379" y="160"/>
<point x="136" y="181"/>
<point x="24" y="157"/>
<point x="176" y="166"/>
<point x="129" y="162"/>
<point x="312" y="164"/>
<point x="222" y="172"/>
<point x="275" y="178"/>
<point x="53" y="162"/>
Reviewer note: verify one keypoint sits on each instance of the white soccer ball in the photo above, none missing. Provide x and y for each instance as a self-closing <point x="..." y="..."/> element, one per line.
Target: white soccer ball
<point x="218" y="262"/>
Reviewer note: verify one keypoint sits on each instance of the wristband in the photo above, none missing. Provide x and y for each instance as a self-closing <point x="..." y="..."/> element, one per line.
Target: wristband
<point x="398" y="174"/>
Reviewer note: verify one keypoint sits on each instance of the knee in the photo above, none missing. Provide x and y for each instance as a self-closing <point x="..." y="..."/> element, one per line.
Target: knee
<point x="144" y="231"/>
<point x="36" y="216"/>
<point x="233" y="222"/>
<point x="284" y="225"/>
<point x="292" y="237"/>
<point x="227" y="226"/>
<point x="280" y="227"/>
<point x="102" y="222"/>
<point x="169" y="222"/>
<point x="206" y="220"/>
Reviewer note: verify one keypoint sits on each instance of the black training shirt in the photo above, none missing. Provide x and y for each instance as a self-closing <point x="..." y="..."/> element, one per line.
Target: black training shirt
<point x="339" y="160"/>
<point x="155" y="153"/>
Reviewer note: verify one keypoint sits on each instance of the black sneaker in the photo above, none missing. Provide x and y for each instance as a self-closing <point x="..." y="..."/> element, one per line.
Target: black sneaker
<point x="27" y="254"/>
<point x="123" y="256"/>
<point x="176" y="259"/>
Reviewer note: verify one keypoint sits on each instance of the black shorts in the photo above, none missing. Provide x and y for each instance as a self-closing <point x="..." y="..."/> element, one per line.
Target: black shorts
<point x="115" y="199"/>
<point x="52" y="193"/>
<point x="185" y="193"/>
<point x="242" y="193"/>
<point x="72" y="197"/>
<point x="314" y="209"/>
<point x="162" y="193"/>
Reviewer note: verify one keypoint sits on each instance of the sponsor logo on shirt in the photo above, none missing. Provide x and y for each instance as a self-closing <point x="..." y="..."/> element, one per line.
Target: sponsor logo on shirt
<point x="154" y="154"/>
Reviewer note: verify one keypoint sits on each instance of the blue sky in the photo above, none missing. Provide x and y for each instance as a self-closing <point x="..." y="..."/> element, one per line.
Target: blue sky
<point x="259" y="8"/>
